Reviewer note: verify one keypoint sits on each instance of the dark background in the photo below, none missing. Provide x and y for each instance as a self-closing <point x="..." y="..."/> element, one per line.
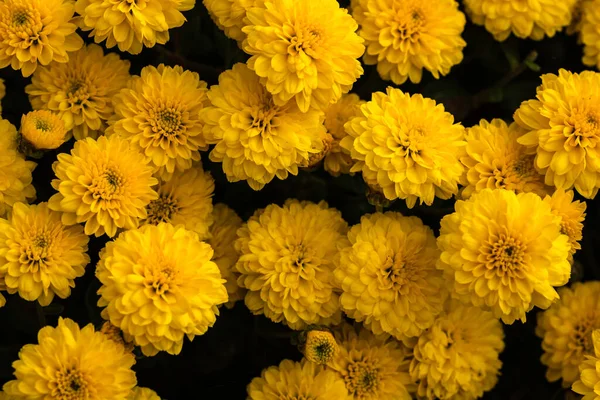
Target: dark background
<point x="490" y="83"/>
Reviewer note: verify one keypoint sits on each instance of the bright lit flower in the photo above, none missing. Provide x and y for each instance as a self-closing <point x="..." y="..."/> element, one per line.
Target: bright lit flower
<point x="297" y="380"/>
<point x="116" y="335"/>
<point x="405" y="37"/>
<point x="36" y="31"/>
<point x="230" y="15"/>
<point x="572" y="214"/>
<point x="563" y="130"/>
<point x="320" y="346"/>
<point x="504" y="252"/>
<point x="588" y="383"/>
<point x="103" y="183"/>
<point x="72" y="363"/>
<point x="589" y="29"/>
<point x="566" y="329"/>
<point x="159" y="113"/>
<point x="159" y="285"/>
<point x="255" y="139"/>
<point x="495" y="160"/>
<point x="531" y="19"/>
<point x="407" y="145"/>
<point x="42" y="130"/>
<point x="388" y="277"/>
<point x="185" y="199"/>
<point x="140" y="393"/>
<point x="286" y="263"/>
<point x="80" y="91"/>
<point x="457" y="358"/>
<point x="130" y="25"/>
<point x="303" y="50"/>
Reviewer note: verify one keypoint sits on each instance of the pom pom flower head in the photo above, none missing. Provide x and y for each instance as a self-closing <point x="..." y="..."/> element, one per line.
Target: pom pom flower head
<point x="41" y="130"/>
<point x="286" y="263"/>
<point x="403" y="37"/>
<point x="318" y="345"/>
<point x="589" y="372"/>
<point x="80" y="91"/>
<point x="563" y="130"/>
<point x="72" y="363"/>
<point x="303" y="50"/>
<point x="589" y="28"/>
<point x="504" y="252"/>
<point x="159" y="284"/>
<point x="572" y="214"/>
<point x="408" y="146"/>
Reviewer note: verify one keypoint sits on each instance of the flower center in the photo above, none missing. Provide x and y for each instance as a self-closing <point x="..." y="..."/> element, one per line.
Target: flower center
<point x="506" y="254"/>
<point x="524" y="167"/>
<point x="396" y="273"/>
<point x="262" y="117"/>
<point x="107" y="186"/>
<point x="407" y="27"/>
<point x="20" y="17"/>
<point x="36" y="250"/>
<point x="582" y="333"/>
<point x="42" y="125"/>
<point x="362" y="378"/>
<point x="162" y="210"/>
<point x="304" y="39"/>
<point x="161" y="276"/>
<point x="70" y="384"/>
<point x="320" y="347"/>
<point x="585" y="128"/>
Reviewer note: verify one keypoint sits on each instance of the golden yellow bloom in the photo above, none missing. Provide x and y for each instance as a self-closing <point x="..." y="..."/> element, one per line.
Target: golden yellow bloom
<point x="504" y="252"/>
<point x="140" y="393"/>
<point x="457" y="358"/>
<point x="2" y="94"/>
<point x="388" y="277"/>
<point x="185" y="199"/>
<point x="337" y="159"/>
<point x="36" y="32"/>
<point x="303" y="50"/>
<point x="159" y="113"/>
<point x="15" y="171"/>
<point x="297" y="380"/>
<point x="495" y="160"/>
<point x="80" y="91"/>
<point x="42" y="130"/>
<point x="158" y="284"/>
<point x="130" y="25"/>
<point x="320" y="346"/>
<point x="286" y="263"/>
<point x="589" y="372"/>
<point x="230" y="15"/>
<point x="104" y="183"/>
<point x="255" y="139"/>
<point x="405" y="37"/>
<point x="531" y="19"/>
<point x="563" y="130"/>
<point x="116" y="335"/>
<point x="222" y="239"/>
<point x="572" y="214"/>
<point x="72" y="363"/>
<point x="408" y="146"/>
<point x="589" y="30"/>
<point x="566" y="329"/>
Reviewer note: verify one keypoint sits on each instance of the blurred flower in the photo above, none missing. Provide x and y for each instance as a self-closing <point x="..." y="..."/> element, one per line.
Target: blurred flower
<point x="590" y="32"/>
<point x="530" y="19"/>
<point x="140" y="393"/>
<point x="589" y="372"/>
<point x="303" y="50"/>
<point x="159" y="113"/>
<point x="319" y="346"/>
<point x="495" y="160"/>
<point x="130" y="25"/>
<point x="566" y="331"/>
<point x="2" y="94"/>
<point x="572" y="214"/>
<point x="36" y="31"/>
<point x="115" y="334"/>
<point x="42" y="130"/>
<point x="255" y="139"/>
<point x="405" y="37"/>
<point x="286" y="263"/>
<point x="158" y="284"/>
<point x="103" y="183"/>
<point x="563" y="130"/>
<point x="504" y="252"/>
<point x="407" y="145"/>
<point x="80" y="91"/>
<point x="222" y="239"/>
<point x="457" y="358"/>
<point x="297" y="380"/>
<point x="388" y="277"/>
<point x="4" y="396"/>
<point x="72" y="363"/>
<point x="230" y="15"/>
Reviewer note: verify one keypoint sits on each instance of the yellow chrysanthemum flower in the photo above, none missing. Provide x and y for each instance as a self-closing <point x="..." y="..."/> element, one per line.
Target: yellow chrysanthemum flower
<point x="286" y="263"/>
<point x="104" y="183"/>
<point x="566" y="330"/>
<point x="72" y="363"/>
<point x="158" y="284"/>
<point x="140" y="393"/>
<point x="131" y="25"/>
<point x="116" y="335"/>
<point x="563" y="130"/>
<point x="408" y="146"/>
<point x="572" y="214"/>
<point x="2" y="94"/>
<point x="403" y="37"/>
<point x="495" y="160"/>
<point x="588" y="383"/>
<point x="80" y="91"/>
<point x="36" y="32"/>
<point x="222" y="240"/>
<point x="589" y="30"/>
<point x="458" y="357"/>
<point x="531" y="19"/>
<point x="388" y="277"/>
<point x="255" y="139"/>
<point x="319" y="346"/>
<point x="504" y="252"/>
<point x="15" y="171"/>
<point x="184" y="199"/>
<point x="42" y="130"/>
<point x="297" y="380"/>
<point x="159" y="112"/>
<point x="304" y="51"/>
<point x="39" y="256"/>
<point x="230" y="15"/>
